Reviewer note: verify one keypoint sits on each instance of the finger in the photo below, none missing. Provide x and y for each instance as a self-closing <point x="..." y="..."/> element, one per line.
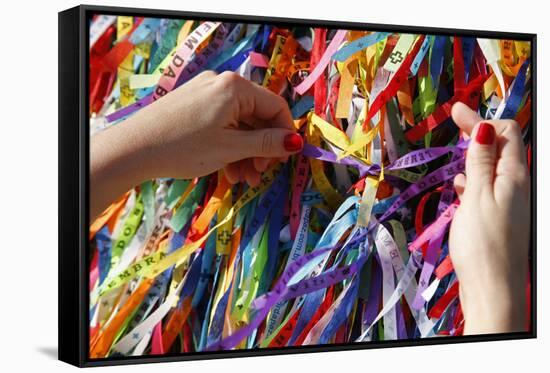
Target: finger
<point x="481" y="159"/>
<point x="464" y="117"/>
<point x="510" y="145"/>
<point x="460" y="184"/>
<point x="510" y="149"/>
<point x="267" y="106"/>
<point x="266" y="143"/>
<point x="256" y="103"/>
<point x="261" y="164"/>
<point x="251" y="176"/>
<point x="204" y="75"/>
<point x="232" y="172"/>
<point x="512" y="164"/>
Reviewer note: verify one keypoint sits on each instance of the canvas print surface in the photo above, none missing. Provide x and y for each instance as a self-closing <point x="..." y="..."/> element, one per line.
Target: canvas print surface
<point x="332" y="226"/>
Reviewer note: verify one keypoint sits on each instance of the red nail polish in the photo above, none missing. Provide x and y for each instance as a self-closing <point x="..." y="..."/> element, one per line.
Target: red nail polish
<point x="485" y="134"/>
<point x="293" y="142"/>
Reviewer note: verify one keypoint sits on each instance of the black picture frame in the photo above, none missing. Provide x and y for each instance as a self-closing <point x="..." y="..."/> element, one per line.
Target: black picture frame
<point x="73" y="190"/>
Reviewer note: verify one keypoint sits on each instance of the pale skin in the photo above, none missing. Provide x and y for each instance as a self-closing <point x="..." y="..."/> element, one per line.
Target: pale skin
<point x="489" y="238"/>
<point x="225" y="122"/>
<point x="211" y="122"/>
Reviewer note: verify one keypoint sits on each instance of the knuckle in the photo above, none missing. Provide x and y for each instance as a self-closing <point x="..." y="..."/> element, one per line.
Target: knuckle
<point x="208" y="73"/>
<point x="266" y="145"/>
<point x="521" y="177"/>
<point x="517" y="173"/>
<point x="511" y="122"/>
<point x="481" y="159"/>
<point x="510" y="166"/>
<point x="280" y="102"/>
<point x="276" y="99"/>
<point x="228" y="80"/>
<point x="513" y="127"/>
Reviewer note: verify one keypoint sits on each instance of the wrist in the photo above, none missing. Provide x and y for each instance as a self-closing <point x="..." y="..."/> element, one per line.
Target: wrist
<point x="494" y="309"/>
<point x="117" y="154"/>
<point x="118" y="162"/>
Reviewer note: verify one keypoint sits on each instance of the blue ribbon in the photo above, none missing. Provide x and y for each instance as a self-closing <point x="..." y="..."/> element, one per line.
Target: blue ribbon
<point x="512" y="105"/>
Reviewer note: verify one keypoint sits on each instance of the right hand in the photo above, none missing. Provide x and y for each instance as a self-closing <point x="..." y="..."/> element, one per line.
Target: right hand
<point x="489" y="236"/>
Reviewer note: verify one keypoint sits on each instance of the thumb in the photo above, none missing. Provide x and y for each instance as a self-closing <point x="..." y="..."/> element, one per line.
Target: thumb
<point x="266" y="143"/>
<point x="481" y="158"/>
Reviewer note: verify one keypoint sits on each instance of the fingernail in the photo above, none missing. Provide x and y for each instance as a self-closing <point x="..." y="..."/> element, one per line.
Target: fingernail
<point x="293" y="142"/>
<point x="485" y="134"/>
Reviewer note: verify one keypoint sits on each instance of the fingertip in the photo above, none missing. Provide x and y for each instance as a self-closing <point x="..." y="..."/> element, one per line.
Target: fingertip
<point x="252" y="178"/>
<point x="459" y="105"/>
<point x="260" y="164"/>
<point x="464" y="117"/>
<point x="293" y="142"/>
<point x="283" y="118"/>
<point x="231" y="173"/>
<point x="459" y="183"/>
<point x="485" y="133"/>
<point x="254" y="182"/>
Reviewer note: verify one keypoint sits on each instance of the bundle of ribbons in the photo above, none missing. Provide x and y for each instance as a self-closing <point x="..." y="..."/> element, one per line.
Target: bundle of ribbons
<point x="347" y="242"/>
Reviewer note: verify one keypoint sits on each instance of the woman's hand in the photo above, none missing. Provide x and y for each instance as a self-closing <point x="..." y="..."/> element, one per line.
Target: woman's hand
<point x="489" y="238"/>
<point x="211" y="122"/>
